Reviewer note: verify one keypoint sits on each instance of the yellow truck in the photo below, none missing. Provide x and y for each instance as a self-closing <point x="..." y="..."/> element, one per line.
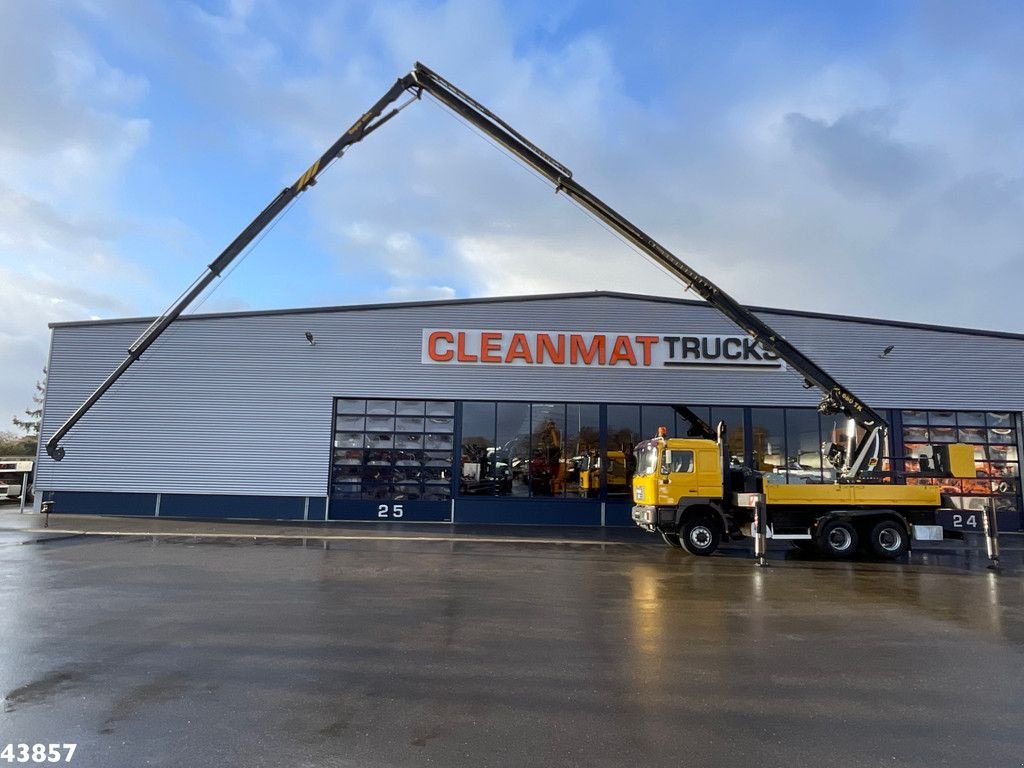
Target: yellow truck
<point x="590" y="474"/>
<point x="685" y="490"/>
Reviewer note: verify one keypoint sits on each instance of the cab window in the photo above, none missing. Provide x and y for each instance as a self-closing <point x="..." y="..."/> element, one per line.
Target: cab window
<point x="677" y="461"/>
<point x="646" y="460"/>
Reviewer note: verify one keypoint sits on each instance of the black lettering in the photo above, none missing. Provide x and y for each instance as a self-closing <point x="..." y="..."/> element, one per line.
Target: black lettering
<point x="708" y="354"/>
<point x="671" y="344"/>
<point x="735" y="343"/>
<point x="691" y="344"/>
<point x="769" y="355"/>
<point x="749" y="351"/>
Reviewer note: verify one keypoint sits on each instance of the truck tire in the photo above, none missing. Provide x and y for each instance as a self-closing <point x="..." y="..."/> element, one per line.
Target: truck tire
<point x="889" y="540"/>
<point x="700" y="536"/>
<point x="837" y="538"/>
<point x="672" y="539"/>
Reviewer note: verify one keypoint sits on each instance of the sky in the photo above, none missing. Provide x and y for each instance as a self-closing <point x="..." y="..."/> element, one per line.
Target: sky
<point x="860" y="157"/>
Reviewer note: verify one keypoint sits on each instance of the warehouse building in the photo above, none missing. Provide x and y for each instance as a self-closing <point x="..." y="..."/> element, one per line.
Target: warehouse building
<point x="512" y="410"/>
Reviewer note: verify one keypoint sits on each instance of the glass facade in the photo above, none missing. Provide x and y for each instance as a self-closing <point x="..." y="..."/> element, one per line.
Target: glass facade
<point x="528" y="449"/>
<point x="993" y="435"/>
<point x="395" y="450"/>
<point x="392" y="449"/>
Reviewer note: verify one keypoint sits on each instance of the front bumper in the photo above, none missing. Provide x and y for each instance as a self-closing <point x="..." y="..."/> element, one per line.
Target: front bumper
<point x="645" y="516"/>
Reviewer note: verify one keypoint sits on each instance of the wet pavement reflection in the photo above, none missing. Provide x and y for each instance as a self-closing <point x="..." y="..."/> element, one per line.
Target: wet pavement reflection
<point x="233" y="651"/>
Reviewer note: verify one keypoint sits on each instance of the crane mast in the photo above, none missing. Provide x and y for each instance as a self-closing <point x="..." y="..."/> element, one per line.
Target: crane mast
<point x="851" y="462"/>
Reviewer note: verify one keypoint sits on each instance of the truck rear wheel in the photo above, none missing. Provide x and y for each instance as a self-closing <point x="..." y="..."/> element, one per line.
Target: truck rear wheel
<point x="672" y="539"/>
<point x="837" y="538"/>
<point x="700" y="536"/>
<point x="889" y="540"/>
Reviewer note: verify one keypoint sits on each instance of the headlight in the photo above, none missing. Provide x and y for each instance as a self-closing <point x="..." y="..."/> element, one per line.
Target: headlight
<point x="638" y="494"/>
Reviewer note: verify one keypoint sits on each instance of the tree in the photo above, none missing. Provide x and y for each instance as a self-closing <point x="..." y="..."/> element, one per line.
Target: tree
<point x="34" y="416"/>
<point x="12" y="445"/>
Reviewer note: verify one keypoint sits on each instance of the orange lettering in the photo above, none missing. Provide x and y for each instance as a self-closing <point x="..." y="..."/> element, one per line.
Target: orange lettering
<point x="622" y="350"/>
<point x="462" y="357"/>
<point x="578" y="350"/>
<point x="646" y="342"/>
<point x="432" y="351"/>
<point x="519" y="349"/>
<point x="490" y="343"/>
<point x="545" y="346"/>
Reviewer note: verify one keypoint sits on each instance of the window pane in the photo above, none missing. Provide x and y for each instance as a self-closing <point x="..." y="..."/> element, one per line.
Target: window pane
<point x="477" y="462"/>
<point x="440" y="424"/>
<point x="915" y="434"/>
<point x="547" y="465"/>
<point x="407" y="440"/>
<point x="435" y="442"/>
<point x="998" y="419"/>
<point x="803" y="446"/>
<point x="380" y="424"/>
<point x="408" y="458"/>
<point x="619" y="460"/>
<point x="409" y="408"/>
<point x="654" y="416"/>
<point x="351" y="406"/>
<point x="1001" y="435"/>
<point x="348" y="457"/>
<point x="380" y="407"/>
<point x="769" y="442"/>
<point x="350" y="423"/>
<point x="379" y="440"/>
<point x="409" y="424"/>
<point x="440" y="408"/>
<point x="970" y="419"/>
<point x="942" y="418"/>
<point x="971" y="435"/>
<point x="684" y="424"/>
<point x="1002" y="452"/>
<point x="582" y="422"/>
<point x="915" y="417"/>
<point x="348" y="440"/>
<point x="513" y="444"/>
<point x="733" y="418"/>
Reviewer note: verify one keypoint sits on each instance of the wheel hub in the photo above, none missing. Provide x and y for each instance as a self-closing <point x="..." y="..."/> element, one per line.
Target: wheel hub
<point x="890" y="539"/>
<point x="700" y="536"/>
<point x="839" y="539"/>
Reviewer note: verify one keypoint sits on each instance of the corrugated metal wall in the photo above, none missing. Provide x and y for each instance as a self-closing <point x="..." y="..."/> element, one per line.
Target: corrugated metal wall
<point x="242" y="404"/>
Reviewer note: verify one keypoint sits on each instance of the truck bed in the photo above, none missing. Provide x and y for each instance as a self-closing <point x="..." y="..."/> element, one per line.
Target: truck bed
<point x="881" y="495"/>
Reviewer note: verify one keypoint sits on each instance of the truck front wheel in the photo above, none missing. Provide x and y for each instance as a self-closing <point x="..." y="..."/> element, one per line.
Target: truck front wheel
<point x="700" y="536"/>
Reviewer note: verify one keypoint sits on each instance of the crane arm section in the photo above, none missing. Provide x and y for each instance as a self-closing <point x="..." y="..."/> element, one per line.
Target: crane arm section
<point x="836" y="398"/>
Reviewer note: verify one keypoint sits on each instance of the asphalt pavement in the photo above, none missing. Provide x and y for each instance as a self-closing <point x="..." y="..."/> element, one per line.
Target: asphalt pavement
<point x="177" y="643"/>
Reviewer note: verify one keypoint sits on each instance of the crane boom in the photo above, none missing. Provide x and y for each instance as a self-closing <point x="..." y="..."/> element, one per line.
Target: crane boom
<point x="836" y="398"/>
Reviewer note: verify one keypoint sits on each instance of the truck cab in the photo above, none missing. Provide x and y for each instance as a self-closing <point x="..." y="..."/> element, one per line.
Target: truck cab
<point x="678" y="491"/>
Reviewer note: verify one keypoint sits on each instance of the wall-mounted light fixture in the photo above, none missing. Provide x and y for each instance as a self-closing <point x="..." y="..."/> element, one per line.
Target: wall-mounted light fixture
<point x="887" y="351"/>
<point x="310" y="339"/>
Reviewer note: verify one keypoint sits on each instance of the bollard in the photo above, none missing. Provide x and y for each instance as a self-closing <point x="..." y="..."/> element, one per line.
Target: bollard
<point x="24" y="493"/>
<point x="988" y="523"/>
<point x="760" y="531"/>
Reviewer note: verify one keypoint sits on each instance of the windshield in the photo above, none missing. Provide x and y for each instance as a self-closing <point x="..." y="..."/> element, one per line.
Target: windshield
<point x="646" y="459"/>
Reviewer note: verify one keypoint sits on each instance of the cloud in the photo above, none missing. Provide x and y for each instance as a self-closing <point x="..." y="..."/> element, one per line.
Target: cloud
<point x="858" y="154"/>
<point x="66" y="133"/>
